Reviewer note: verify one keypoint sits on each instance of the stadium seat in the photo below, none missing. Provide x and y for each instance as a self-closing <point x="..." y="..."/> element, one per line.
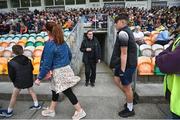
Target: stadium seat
<point x="157" y="49"/>
<point x="4" y="44"/>
<point x="145" y="66"/>
<point x="23" y="39"/>
<point x="11" y="35"/>
<point x="7" y="52"/>
<point x="148" y="40"/>
<point x="18" y="35"/>
<point x="40" y="47"/>
<point x="31" y="48"/>
<point x="37" y="53"/>
<point x="3" y="65"/>
<point x="32" y="39"/>
<point x="27" y="53"/>
<point x="29" y="43"/>
<point x="15" y="39"/>
<point x="2" y="39"/>
<point x="39" y="39"/>
<point x="39" y="43"/>
<point x="36" y="68"/>
<point x="146" y="50"/>
<point x="46" y="38"/>
<point x="32" y="35"/>
<point x="25" y="35"/>
<point x="36" y="65"/>
<point x="11" y="44"/>
<point x="36" y="60"/>
<point x="1" y="51"/>
<point x="22" y="43"/>
<point x="9" y="39"/>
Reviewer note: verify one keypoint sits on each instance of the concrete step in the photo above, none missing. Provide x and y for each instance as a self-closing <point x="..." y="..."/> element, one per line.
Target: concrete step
<point x="105" y="87"/>
<point x="150" y="79"/>
<point x="150" y="93"/>
<point x="43" y="92"/>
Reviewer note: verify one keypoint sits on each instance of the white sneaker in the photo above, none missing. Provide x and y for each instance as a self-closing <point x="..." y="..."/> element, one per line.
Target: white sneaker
<point x="48" y="113"/>
<point x="79" y="115"/>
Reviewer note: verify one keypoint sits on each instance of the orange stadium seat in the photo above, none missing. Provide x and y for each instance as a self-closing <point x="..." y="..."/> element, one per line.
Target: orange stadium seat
<point x="145" y="66"/>
<point x="36" y="68"/>
<point x="4" y="44"/>
<point x="3" y="65"/>
<point x="37" y="53"/>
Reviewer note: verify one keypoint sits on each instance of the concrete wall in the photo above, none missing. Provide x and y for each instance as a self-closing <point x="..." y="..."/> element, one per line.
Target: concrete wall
<point x="139" y="4"/>
<point x="109" y="41"/>
<point x="173" y="3"/>
<point x="5" y="10"/>
<point x="75" y="6"/>
<point x="38" y="8"/>
<point x="135" y="3"/>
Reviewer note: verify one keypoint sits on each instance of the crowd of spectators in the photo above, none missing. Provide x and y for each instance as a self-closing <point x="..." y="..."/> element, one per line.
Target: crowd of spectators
<point x="34" y="22"/>
<point x="163" y="20"/>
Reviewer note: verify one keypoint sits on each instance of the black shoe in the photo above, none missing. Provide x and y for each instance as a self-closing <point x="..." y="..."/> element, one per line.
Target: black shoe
<point x="126" y="113"/>
<point x="92" y="84"/>
<point x="134" y="103"/>
<point x="86" y="84"/>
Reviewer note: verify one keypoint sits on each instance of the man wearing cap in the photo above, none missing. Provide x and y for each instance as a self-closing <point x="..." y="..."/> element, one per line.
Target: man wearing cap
<point x="124" y="62"/>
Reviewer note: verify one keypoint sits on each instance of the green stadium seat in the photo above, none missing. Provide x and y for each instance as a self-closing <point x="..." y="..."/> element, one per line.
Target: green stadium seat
<point x="29" y="43"/>
<point x="39" y="43"/>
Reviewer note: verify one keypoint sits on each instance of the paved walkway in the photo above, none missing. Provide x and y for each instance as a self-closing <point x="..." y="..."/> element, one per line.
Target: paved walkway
<point x="101" y="102"/>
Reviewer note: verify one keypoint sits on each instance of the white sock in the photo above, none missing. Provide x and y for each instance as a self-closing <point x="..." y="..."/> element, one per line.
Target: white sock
<point x="36" y="103"/>
<point x="9" y="110"/>
<point x="130" y="106"/>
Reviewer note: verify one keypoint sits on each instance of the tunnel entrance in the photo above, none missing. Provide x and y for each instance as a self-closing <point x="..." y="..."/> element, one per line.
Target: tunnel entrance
<point x="101" y="38"/>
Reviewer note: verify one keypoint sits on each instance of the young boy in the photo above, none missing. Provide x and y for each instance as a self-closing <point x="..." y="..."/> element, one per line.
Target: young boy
<point x="20" y="72"/>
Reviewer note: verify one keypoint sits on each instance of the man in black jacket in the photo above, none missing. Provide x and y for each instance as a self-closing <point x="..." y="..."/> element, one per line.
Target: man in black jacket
<point x="91" y="55"/>
<point x="124" y="62"/>
<point x="20" y="72"/>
